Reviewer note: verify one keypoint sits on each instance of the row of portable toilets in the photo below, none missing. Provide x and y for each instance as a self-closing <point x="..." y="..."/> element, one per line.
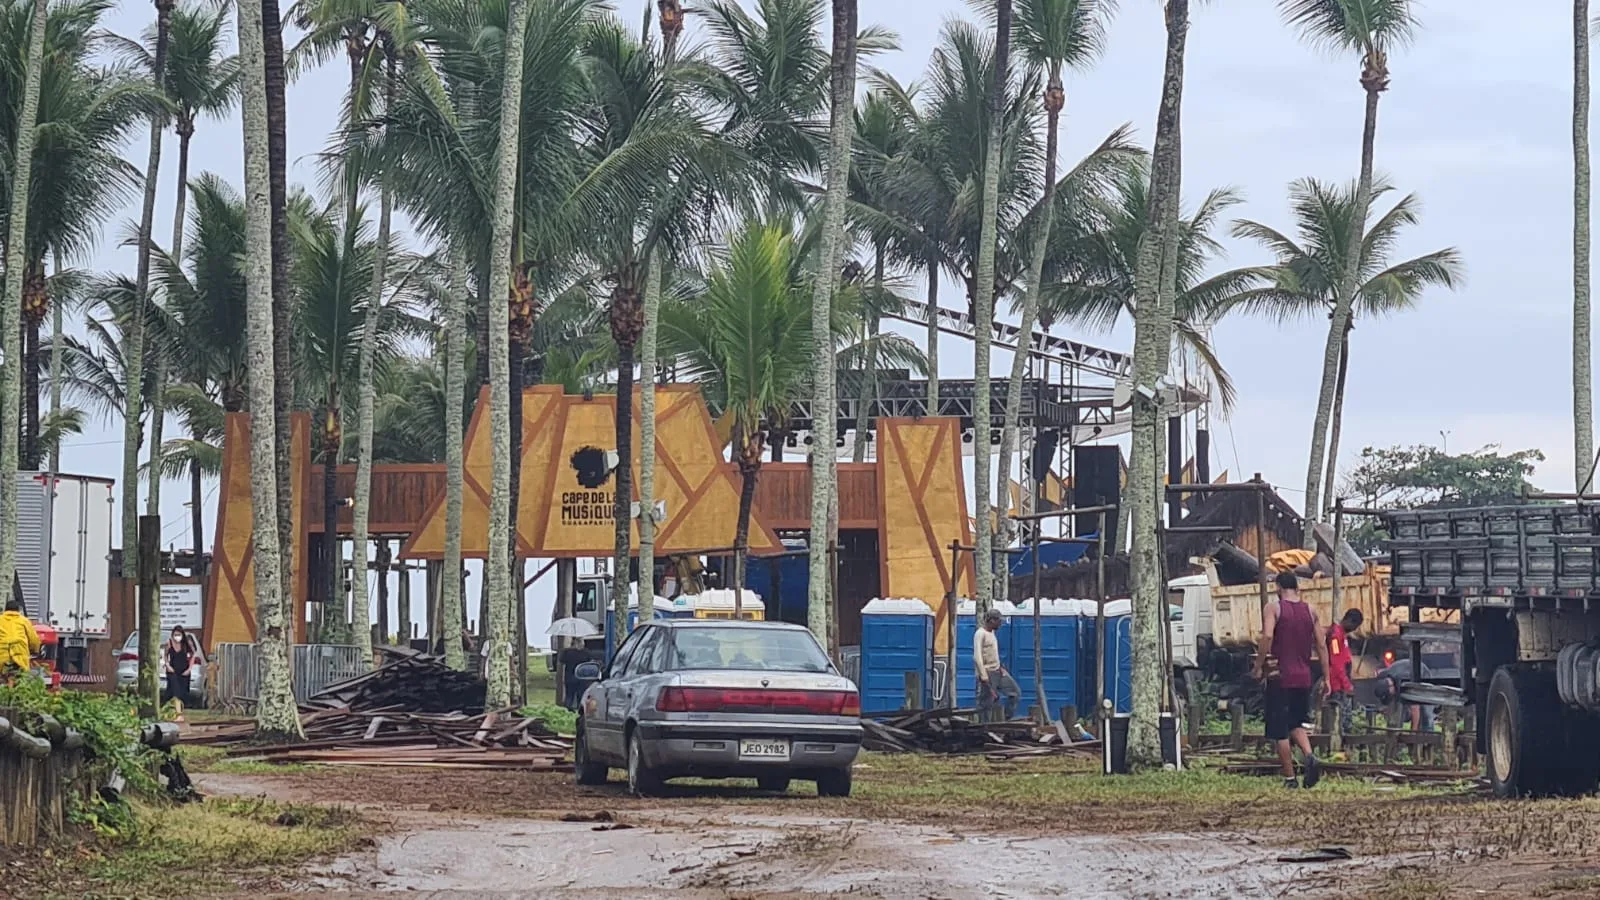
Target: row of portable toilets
<point x="897" y="637"/>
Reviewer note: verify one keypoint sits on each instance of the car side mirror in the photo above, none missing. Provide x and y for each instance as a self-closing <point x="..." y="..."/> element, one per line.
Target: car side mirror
<point x="588" y="671"/>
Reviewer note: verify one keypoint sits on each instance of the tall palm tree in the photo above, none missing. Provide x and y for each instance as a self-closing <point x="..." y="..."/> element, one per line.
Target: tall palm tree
<point x="277" y="116"/>
<point x="1051" y="35"/>
<point x="748" y="341"/>
<point x="199" y="78"/>
<point x="498" y="574"/>
<point x="1582" y="331"/>
<point x="1155" y="289"/>
<point x="11" y="302"/>
<point x="1304" y="281"/>
<point x="79" y="178"/>
<point x="983" y="300"/>
<point x="1370" y="29"/>
<point x="277" y="716"/>
<point x="836" y="179"/>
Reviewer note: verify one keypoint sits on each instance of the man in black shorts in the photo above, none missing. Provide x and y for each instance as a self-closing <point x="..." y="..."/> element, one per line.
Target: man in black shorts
<point x="1290" y="638"/>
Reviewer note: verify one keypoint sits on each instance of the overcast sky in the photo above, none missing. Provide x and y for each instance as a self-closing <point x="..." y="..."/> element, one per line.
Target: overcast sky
<point x="1477" y="123"/>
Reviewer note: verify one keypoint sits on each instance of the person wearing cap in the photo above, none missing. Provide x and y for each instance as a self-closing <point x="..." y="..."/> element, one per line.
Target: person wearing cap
<point x="996" y="687"/>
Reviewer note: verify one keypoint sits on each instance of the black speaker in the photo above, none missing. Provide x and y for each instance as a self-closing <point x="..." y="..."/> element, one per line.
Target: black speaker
<point x="1096" y="479"/>
<point x="1044" y="452"/>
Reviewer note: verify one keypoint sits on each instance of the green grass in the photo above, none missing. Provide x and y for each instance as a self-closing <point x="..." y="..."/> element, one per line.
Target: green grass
<point x="211" y="846"/>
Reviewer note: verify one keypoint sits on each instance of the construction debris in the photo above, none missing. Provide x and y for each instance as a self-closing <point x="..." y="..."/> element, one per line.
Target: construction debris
<point x="413" y="711"/>
<point x="958" y="732"/>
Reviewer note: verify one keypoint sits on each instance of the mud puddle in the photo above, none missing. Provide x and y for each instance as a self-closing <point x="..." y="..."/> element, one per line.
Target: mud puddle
<point x="680" y="856"/>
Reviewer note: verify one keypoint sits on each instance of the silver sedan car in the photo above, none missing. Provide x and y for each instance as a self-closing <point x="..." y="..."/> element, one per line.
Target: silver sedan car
<point x="719" y="699"/>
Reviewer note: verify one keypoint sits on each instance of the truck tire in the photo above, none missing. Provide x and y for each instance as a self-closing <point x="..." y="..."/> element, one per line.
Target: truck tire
<point x="1581" y="754"/>
<point x="1524" y="728"/>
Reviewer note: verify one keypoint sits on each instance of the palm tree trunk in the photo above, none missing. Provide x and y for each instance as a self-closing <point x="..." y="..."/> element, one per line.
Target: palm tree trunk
<point x="1010" y="438"/>
<point x="983" y="306"/>
<point x="360" y="618"/>
<point x="1374" y="78"/>
<point x="824" y="456"/>
<point x="1338" y="420"/>
<point x="31" y="457"/>
<point x="282" y="303"/>
<point x="158" y="404"/>
<point x="933" y="338"/>
<point x="57" y="329"/>
<point x="749" y="472"/>
<point x="869" y="377"/>
<point x="455" y="380"/>
<point x="197" y="524"/>
<point x="277" y="717"/>
<point x="498" y="568"/>
<point x="11" y="306"/>
<point x="1152" y="356"/>
<point x="647" y="437"/>
<point x="622" y="479"/>
<point x="1582" y="369"/>
<point x="133" y="426"/>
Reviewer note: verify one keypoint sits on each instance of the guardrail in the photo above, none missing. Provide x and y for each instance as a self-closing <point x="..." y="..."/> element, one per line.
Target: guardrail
<point x="238" y="672"/>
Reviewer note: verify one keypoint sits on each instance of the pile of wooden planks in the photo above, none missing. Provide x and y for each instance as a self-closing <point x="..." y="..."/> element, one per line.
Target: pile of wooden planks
<point x="414" y="682"/>
<point x="413" y="711"/>
<point x="958" y="732"/>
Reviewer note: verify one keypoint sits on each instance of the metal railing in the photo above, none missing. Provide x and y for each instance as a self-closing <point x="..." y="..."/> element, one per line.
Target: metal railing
<point x="238" y="674"/>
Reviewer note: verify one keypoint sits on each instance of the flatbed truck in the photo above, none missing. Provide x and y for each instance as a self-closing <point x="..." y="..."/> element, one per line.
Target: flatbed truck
<point x="1525" y="583"/>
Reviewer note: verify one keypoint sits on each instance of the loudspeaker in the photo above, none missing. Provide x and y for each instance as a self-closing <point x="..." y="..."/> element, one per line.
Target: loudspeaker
<point x="1096" y="479"/>
<point x="1044" y="452"/>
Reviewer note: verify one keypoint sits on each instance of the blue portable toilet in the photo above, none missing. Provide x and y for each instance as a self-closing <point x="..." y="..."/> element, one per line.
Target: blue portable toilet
<point x="1119" y="656"/>
<point x="966" y="627"/>
<point x="1060" y="637"/>
<point x="896" y="638"/>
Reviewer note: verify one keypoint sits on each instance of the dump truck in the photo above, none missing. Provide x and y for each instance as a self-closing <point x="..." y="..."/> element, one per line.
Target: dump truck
<point x="1525" y="583"/>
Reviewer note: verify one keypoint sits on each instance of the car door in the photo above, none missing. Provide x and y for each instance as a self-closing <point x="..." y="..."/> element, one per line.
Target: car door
<point x="603" y="725"/>
<point x="623" y="693"/>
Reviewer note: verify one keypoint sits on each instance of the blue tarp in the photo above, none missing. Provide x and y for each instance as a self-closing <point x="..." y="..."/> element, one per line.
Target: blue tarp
<point x="1050" y="554"/>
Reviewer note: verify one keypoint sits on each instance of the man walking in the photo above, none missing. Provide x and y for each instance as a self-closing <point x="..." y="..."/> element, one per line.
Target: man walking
<point x="995" y="684"/>
<point x="1291" y="636"/>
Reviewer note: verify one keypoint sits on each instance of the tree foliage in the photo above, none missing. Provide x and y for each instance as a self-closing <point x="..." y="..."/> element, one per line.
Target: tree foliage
<point x="1425" y="477"/>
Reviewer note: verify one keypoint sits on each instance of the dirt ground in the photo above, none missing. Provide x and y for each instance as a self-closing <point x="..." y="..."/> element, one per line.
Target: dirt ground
<point x="934" y="829"/>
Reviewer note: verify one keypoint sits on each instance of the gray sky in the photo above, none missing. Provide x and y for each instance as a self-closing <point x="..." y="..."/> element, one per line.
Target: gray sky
<point x="1477" y="123"/>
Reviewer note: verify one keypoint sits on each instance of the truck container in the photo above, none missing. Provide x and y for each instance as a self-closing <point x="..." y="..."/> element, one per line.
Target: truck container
<point x="1522" y="581"/>
<point x="64" y="552"/>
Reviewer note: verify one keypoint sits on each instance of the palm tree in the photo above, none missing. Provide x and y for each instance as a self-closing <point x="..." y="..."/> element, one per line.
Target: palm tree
<point x="1304" y="281"/>
<point x="748" y="341"/>
<point x="836" y="179"/>
<point x="1051" y="34"/>
<point x="1155" y="290"/>
<point x="277" y="145"/>
<point x="1369" y="28"/>
<point x="1582" y="332"/>
<point x="78" y="177"/>
<point x="198" y="79"/>
<point x="498" y="572"/>
<point x="11" y="302"/>
<point x="277" y="717"/>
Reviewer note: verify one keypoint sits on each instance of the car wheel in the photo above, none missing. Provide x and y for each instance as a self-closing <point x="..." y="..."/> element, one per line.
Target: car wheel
<point x="642" y="780"/>
<point x="588" y="771"/>
<point x="777" y="784"/>
<point x="834" y="784"/>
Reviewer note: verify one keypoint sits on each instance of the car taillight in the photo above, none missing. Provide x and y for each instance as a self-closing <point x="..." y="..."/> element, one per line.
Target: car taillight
<point x="125" y="656"/>
<point x="758" y="700"/>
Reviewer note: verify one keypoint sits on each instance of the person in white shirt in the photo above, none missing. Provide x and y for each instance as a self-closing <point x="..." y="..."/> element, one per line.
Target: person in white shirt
<point x="996" y="687"/>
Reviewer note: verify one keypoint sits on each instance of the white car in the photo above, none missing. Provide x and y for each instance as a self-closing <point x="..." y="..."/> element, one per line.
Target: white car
<point x="128" y="674"/>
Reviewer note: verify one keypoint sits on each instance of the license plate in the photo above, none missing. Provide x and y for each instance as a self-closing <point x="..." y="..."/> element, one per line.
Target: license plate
<point x="763" y="749"/>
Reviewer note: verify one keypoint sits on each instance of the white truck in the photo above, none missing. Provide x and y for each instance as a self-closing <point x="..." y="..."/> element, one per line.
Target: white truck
<point x="64" y="527"/>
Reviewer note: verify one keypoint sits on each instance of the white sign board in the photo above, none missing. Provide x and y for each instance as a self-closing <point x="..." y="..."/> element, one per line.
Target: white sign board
<point x="180" y="605"/>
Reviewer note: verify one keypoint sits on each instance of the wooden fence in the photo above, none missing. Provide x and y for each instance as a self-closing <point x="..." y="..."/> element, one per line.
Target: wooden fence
<point x="39" y="775"/>
<point x="1449" y="747"/>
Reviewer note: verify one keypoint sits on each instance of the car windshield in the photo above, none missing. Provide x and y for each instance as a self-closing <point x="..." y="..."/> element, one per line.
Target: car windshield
<point x="768" y="649"/>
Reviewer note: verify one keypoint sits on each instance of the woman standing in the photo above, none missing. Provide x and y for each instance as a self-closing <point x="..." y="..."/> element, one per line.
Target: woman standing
<point x="178" y="663"/>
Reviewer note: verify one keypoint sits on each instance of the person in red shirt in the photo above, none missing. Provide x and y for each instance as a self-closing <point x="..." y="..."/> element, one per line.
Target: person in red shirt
<point x="1340" y="662"/>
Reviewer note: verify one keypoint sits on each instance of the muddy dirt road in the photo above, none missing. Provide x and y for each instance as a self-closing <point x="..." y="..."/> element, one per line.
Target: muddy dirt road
<point x="748" y="845"/>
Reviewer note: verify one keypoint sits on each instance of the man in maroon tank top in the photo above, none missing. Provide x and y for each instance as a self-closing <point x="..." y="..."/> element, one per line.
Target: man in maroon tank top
<point x="1290" y="637"/>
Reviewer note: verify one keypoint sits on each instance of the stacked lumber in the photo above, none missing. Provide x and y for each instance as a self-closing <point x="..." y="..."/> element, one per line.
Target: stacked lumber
<point x="415" y="683"/>
<point x="412" y="712"/>
<point x="958" y="732"/>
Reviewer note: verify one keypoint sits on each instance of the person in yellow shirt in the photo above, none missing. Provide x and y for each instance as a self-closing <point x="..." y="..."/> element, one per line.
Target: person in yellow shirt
<point x="19" y="642"/>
